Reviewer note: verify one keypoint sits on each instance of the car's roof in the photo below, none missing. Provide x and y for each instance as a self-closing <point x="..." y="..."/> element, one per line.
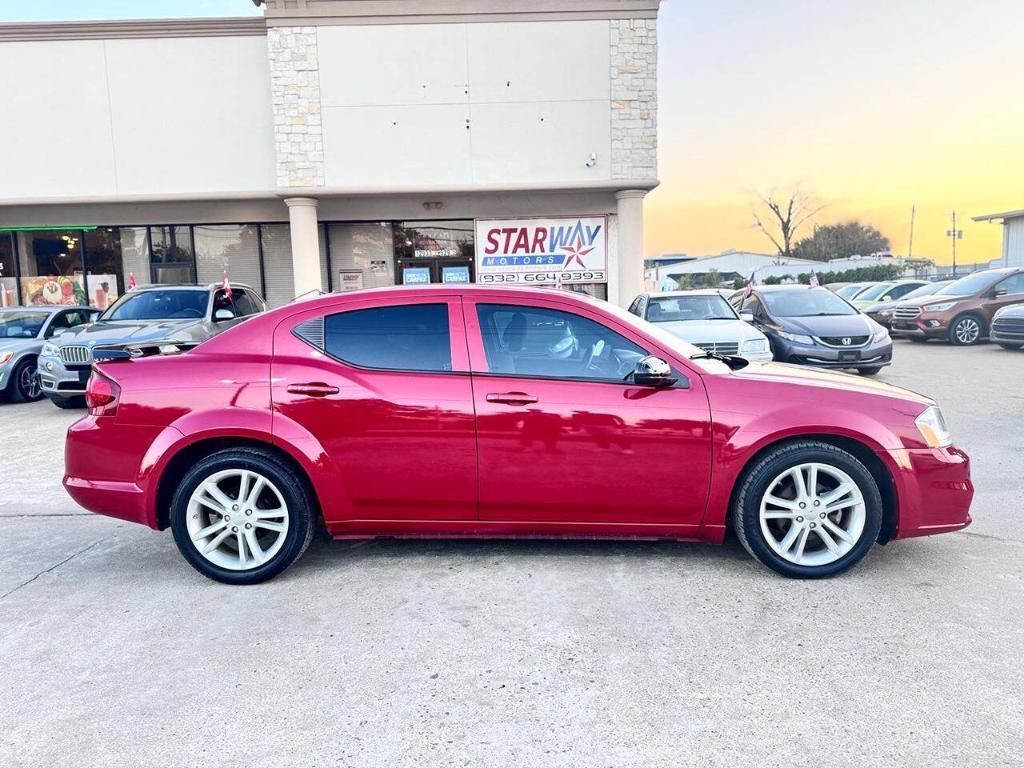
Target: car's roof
<point x="48" y="310"/>
<point x="187" y="286"/>
<point x="784" y="288"/>
<point x="694" y="292"/>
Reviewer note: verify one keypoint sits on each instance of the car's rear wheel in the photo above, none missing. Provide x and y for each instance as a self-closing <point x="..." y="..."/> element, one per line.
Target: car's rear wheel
<point x="966" y="330"/>
<point x="808" y="510"/>
<point x="68" y="403"/>
<point x="869" y="371"/>
<point x="25" y="383"/>
<point x="242" y="516"/>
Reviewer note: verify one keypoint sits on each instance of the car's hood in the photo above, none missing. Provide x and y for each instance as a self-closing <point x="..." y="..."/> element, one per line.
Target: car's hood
<point x="16" y="345"/>
<point x="828" y="325"/>
<point x="113" y="332"/>
<point x="711" y="330"/>
<point x="1013" y="310"/>
<point x="816" y="377"/>
<point x="881" y="306"/>
<point x="920" y="301"/>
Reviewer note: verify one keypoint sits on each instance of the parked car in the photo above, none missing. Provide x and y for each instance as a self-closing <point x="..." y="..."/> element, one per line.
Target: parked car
<point x="881" y="313"/>
<point x="144" y="319"/>
<point x="962" y="311"/>
<point x="889" y="291"/>
<point x="499" y="412"/>
<point x="705" y="319"/>
<point x="1008" y="327"/>
<point x="850" y="290"/>
<point x="23" y="331"/>
<point x="813" y="326"/>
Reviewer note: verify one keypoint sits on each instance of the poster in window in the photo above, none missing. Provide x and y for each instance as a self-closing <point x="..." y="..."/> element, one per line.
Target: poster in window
<point x="350" y="280"/>
<point x="542" y="251"/>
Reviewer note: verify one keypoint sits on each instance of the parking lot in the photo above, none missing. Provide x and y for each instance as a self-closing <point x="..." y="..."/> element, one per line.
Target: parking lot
<point x="115" y="653"/>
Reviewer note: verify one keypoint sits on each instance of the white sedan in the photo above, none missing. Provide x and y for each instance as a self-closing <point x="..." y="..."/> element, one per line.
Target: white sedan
<point x="706" y="320"/>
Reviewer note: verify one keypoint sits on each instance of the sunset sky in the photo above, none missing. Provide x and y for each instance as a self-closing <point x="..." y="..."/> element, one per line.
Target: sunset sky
<point x="873" y="106"/>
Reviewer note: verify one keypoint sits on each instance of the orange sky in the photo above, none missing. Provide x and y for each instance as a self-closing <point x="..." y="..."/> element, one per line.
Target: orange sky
<point x="873" y="107"/>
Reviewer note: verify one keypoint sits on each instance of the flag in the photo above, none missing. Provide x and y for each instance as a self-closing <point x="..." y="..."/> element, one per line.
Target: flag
<point x="226" y="286"/>
<point x="749" y="289"/>
<point x="131" y="280"/>
<point x="814" y="280"/>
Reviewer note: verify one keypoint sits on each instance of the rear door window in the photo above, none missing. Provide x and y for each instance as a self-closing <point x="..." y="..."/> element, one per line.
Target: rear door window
<point x="415" y="337"/>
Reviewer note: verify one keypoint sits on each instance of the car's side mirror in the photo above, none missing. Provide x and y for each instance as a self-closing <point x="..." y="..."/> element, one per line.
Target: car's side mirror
<point x="747" y="316"/>
<point x="652" y="371"/>
<point x="997" y="292"/>
<point x="223" y="314"/>
<point x="887" y="297"/>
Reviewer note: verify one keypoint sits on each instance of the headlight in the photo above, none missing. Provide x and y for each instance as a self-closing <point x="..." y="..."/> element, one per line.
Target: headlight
<point x="939" y="307"/>
<point x="755" y="345"/>
<point x="880" y="335"/>
<point x="5" y="357"/>
<point x="932" y="427"/>
<point x="885" y="312"/>
<point x="796" y="337"/>
<point x="49" y="350"/>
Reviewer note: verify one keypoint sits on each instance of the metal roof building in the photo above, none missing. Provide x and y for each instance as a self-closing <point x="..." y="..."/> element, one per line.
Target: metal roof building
<point x="1013" y="236"/>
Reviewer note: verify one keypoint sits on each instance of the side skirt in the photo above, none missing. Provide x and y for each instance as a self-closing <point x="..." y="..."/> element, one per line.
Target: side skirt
<point x="479" y="529"/>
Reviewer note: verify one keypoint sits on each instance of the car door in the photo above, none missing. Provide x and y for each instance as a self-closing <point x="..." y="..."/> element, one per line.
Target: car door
<point x="563" y="438"/>
<point x="1008" y="291"/>
<point x="383" y="386"/>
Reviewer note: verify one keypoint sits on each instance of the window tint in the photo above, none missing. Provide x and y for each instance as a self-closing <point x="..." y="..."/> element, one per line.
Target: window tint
<point x="409" y="338"/>
<point x="530" y="341"/>
<point x="245" y="304"/>
<point x="159" y="305"/>
<point x="693" y="307"/>
<point x="1013" y="284"/>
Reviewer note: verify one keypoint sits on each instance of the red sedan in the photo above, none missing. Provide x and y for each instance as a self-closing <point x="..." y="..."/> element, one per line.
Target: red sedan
<point x="476" y="411"/>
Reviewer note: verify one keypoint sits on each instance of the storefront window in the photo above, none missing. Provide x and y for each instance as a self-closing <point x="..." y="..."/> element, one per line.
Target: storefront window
<point x="278" y="275"/>
<point x="231" y="248"/>
<point x="434" y="239"/>
<point x="362" y="255"/>
<point x="103" y="264"/>
<point x="8" y="275"/>
<point x="51" y="266"/>
<point x="172" y="255"/>
<point x="134" y="255"/>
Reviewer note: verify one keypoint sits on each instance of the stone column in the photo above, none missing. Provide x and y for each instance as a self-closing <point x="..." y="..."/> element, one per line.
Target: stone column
<point x="630" y="215"/>
<point x="305" y="243"/>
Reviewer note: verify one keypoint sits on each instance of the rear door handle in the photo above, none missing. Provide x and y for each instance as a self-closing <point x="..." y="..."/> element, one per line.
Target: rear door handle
<point x="511" y="398"/>
<point x="313" y="389"/>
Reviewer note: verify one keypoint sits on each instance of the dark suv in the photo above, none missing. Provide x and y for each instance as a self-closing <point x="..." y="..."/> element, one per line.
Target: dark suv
<point x="962" y="311"/>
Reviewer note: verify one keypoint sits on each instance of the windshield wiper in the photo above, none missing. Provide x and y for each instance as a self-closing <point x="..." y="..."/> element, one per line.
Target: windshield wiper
<point x="734" y="362"/>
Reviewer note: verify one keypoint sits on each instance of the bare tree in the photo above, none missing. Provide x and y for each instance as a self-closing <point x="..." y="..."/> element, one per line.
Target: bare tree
<point x="782" y="215"/>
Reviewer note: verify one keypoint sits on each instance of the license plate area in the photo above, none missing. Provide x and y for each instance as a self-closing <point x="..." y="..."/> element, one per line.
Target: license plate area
<point x="849" y="355"/>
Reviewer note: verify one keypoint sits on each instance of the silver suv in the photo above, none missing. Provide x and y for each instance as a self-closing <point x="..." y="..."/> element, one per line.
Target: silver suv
<point x="145" y="319"/>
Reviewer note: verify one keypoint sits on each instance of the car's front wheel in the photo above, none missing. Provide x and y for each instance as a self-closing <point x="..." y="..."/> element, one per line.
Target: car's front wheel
<point x="966" y="330"/>
<point x="25" y="383"/>
<point x="874" y="370"/>
<point x="1010" y="346"/>
<point x="242" y="516"/>
<point x="808" y="510"/>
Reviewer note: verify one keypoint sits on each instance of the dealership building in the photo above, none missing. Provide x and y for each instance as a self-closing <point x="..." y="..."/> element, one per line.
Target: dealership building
<point x="330" y="145"/>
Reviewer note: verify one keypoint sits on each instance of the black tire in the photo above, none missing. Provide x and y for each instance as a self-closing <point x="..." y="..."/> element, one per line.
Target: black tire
<point x="965" y="321"/>
<point x="293" y="488"/>
<point x="21" y="390"/>
<point x="869" y="371"/>
<point x="68" y="403"/>
<point x="1010" y="346"/>
<point x="755" y="483"/>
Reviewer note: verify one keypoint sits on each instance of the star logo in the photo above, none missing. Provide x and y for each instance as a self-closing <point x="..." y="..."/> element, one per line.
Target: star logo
<point x="576" y="254"/>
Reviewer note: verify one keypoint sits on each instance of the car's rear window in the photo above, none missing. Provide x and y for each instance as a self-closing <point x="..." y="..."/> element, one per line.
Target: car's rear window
<point x="404" y="338"/>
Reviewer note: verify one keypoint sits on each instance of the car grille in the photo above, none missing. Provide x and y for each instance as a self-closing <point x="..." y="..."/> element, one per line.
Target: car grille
<point x="1009" y="326"/>
<point x="905" y="313"/>
<point x="844" y="341"/>
<point x="76" y="355"/>
<point x="720" y="347"/>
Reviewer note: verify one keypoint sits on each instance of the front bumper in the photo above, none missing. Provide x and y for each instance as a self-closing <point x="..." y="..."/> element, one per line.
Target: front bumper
<point x="758" y="357"/>
<point x="1007" y="331"/>
<point x="60" y="380"/>
<point x="930" y="325"/>
<point x="935" y="490"/>
<point x="873" y="355"/>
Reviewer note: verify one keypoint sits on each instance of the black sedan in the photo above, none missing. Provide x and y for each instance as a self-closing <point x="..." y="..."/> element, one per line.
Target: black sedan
<point x="814" y="326"/>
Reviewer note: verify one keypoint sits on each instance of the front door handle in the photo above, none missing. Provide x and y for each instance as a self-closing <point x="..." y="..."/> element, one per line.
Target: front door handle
<point x="313" y="389"/>
<point x="511" y="398"/>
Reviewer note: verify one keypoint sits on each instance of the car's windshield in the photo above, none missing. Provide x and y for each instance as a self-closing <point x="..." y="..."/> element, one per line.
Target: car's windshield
<point x="806" y="302"/>
<point x="925" y="290"/>
<point x="969" y="285"/>
<point x="21" y="325"/>
<point x="849" y="291"/>
<point x="159" y="305"/>
<point x="874" y="291"/>
<point x="670" y="309"/>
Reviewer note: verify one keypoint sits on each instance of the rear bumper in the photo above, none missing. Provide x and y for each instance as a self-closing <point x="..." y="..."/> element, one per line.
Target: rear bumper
<point x="935" y="490"/>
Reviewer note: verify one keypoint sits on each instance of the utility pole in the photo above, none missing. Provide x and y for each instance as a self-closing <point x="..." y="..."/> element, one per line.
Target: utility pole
<point x="910" y="248"/>
<point x="955" y="234"/>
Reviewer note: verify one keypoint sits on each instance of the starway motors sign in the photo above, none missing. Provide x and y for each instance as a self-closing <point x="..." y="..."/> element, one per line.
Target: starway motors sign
<point x="542" y="251"/>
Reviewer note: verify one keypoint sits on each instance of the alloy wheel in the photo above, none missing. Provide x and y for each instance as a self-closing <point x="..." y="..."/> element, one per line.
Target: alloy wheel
<point x="29" y="383"/>
<point x="812" y="514"/>
<point x="967" y="330"/>
<point x="237" y="519"/>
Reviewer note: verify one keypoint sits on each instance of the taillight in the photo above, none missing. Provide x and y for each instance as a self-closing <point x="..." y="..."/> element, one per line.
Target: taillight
<point x="101" y="395"/>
